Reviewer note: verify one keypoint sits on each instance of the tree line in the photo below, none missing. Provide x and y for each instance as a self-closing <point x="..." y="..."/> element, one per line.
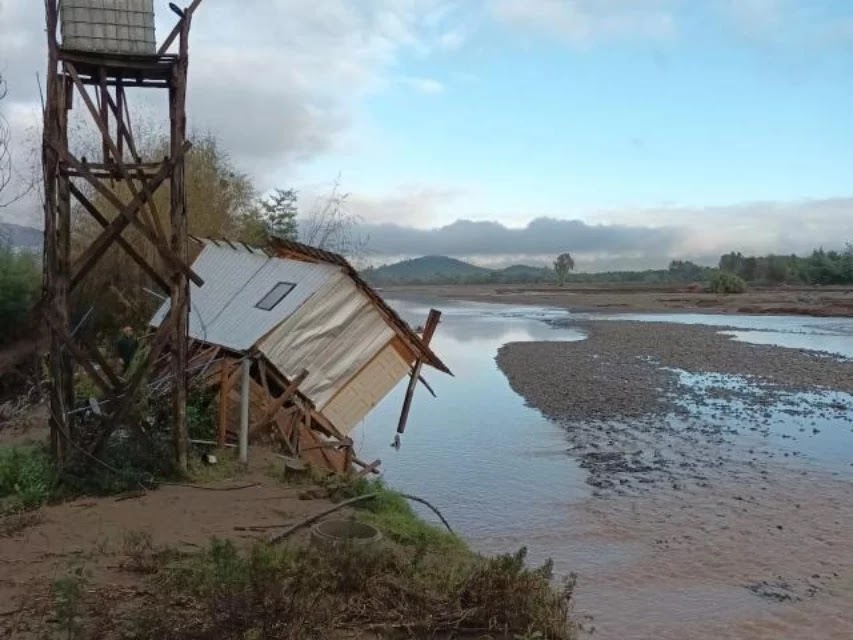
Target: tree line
<point x="820" y="268"/>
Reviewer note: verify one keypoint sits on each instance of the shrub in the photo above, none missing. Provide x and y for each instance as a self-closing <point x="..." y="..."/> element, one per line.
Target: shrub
<point x="272" y="592"/>
<point x="724" y="282"/>
<point x="27" y="478"/>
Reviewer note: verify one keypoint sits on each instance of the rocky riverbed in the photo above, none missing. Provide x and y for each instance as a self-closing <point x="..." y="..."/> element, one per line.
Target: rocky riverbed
<point x="709" y="460"/>
<point x="646" y="403"/>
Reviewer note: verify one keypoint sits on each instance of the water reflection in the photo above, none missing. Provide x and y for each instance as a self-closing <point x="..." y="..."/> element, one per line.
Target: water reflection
<point x="493" y="465"/>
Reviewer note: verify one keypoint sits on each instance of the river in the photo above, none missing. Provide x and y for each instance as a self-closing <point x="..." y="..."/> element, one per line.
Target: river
<point x="501" y="473"/>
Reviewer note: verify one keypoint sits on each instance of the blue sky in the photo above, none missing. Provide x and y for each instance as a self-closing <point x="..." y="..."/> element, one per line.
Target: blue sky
<point x="528" y="123"/>
<point x="698" y="126"/>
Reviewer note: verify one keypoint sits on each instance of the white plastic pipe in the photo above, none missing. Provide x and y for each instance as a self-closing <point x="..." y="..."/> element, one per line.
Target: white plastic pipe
<point x="244" y="412"/>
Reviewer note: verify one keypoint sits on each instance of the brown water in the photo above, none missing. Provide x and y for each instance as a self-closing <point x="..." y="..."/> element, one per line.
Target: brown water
<point x="762" y="549"/>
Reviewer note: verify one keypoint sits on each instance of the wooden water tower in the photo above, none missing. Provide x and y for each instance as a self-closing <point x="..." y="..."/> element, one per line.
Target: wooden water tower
<point x="106" y="48"/>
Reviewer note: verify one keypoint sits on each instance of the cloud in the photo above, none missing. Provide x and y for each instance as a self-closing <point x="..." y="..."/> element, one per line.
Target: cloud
<point x="638" y="238"/>
<point x="585" y="22"/>
<point x="278" y="81"/>
<point x="424" y="85"/>
<point x="540" y="236"/>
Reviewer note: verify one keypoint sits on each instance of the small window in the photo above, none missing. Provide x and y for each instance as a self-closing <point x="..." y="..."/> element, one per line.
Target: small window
<point x="276" y="295"/>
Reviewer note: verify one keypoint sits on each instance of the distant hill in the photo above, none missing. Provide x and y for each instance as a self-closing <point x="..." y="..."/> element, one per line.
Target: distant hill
<point x="445" y="270"/>
<point x="20" y="237"/>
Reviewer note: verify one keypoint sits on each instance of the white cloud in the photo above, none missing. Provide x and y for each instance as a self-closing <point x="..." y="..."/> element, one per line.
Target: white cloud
<point x="424" y="85"/>
<point x="585" y="22"/>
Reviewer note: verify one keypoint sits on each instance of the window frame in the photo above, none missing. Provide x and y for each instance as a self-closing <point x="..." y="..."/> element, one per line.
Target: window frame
<point x="269" y="307"/>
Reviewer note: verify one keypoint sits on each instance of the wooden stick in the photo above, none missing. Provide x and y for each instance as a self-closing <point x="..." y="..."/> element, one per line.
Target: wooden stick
<point x="429" y="330"/>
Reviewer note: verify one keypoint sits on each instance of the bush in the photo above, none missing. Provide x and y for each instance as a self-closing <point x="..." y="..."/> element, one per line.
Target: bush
<point x="27" y="478"/>
<point x="20" y="286"/>
<point x="272" y="592"/>
<point x="724" y="282"/>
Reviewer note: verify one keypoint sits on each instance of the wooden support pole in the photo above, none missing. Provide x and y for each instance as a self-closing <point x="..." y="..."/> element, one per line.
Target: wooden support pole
<point x="244" y="411"/>
<point x="224" y="391"/>
<point x="180" y="284"/>
<point x="429" y="330"/>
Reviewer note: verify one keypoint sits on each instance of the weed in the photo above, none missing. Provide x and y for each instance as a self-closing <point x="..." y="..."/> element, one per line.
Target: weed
<point x="68" y="603"/>
<point x="27" y="478"/>
<point x="142" y="555"/>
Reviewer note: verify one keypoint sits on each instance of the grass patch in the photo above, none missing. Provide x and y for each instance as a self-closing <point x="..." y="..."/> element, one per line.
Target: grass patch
<point x="27" y="478"/>
<point x="394" y="516"/>
<point x="227" y="467"/>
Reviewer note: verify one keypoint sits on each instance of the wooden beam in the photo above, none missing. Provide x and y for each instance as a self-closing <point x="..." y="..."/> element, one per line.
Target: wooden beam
<point x="286" y="395"/>
<point x="176" y="30"/>
<point x="127" y="215"/>
<point x="429" y="330"/>
<point x="124" y="244"/>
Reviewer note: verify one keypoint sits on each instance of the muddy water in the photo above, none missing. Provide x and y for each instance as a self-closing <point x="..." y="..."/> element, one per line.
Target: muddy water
<point x="762" y="548"/>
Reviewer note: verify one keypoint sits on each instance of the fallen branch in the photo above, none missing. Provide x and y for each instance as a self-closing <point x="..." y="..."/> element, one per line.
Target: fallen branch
<point x="368" y="496"/>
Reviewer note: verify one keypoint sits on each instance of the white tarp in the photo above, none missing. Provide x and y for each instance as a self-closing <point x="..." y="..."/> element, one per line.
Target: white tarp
<point x="333" y="335"/>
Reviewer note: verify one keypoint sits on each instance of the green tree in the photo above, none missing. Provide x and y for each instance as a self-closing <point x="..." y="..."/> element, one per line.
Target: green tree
<point x="279" y="211"/>
<point x="20" y="286"/>
<point x="563" y="265"/>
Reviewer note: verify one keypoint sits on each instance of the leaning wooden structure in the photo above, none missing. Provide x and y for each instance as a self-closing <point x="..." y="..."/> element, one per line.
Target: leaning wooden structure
<point x="93" y="74"/>
<point x="298" y="347"/>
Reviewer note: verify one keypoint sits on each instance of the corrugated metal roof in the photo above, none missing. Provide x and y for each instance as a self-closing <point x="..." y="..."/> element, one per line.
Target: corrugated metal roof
<point x="223" y="310"/>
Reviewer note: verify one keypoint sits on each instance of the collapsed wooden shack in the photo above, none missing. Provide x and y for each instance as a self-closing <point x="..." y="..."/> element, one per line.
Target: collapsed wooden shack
<point x="296" y="332"/>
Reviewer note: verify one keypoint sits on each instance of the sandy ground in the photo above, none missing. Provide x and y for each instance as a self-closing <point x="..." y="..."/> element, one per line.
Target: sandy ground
<point x="711" y="539"/>
<point x="818" y="301"/>
<point x="95" y="535"/>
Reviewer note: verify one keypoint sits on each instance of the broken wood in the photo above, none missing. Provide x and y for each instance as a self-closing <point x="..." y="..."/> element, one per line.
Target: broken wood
<point x="429" y="330"/>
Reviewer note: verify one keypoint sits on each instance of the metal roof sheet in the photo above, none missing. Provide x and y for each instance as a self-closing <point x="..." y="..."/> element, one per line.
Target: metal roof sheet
<point x="223" y="310"/>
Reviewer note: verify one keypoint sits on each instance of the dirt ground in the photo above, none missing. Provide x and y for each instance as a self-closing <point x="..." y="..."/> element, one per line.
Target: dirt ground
<point x="100" y="536"/>
<point x="815" y="301"/>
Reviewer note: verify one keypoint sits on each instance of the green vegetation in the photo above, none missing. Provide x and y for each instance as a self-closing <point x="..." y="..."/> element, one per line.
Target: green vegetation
<point x="20" y="287"/>
<point x="821" y="267"/>
<point x="724" y="282"/>
<point x="27" y="478"/>
<point x="293" y="592"/>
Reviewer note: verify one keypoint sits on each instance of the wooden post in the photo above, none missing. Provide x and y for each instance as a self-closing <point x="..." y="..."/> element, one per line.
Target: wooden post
<point x="429" y="330"/>
<point x="244" y="410"/>
<point x="180" y="285"/>
<point x="224" y="391"/>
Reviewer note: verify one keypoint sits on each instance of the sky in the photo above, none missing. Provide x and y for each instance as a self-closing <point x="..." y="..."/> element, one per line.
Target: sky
<point x="629" y="132"/>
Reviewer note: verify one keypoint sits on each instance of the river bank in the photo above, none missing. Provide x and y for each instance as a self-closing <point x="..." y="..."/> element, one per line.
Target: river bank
<point x="628" y="298"/>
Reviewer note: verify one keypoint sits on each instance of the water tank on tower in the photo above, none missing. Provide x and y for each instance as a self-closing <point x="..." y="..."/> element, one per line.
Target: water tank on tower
<point x="109" y="26"/>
